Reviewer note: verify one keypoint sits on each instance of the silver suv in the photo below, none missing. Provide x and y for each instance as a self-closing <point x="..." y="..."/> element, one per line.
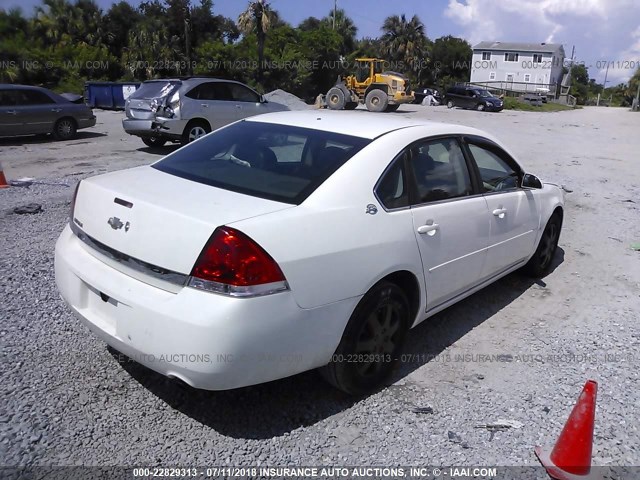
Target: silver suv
<point x="182" y="110"/>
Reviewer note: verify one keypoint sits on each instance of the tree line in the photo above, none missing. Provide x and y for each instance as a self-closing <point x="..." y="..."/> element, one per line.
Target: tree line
<point x="64" y="43"/>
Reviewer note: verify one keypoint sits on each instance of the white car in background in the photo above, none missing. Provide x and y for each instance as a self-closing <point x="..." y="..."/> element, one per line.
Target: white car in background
<point x="299" y="240"/>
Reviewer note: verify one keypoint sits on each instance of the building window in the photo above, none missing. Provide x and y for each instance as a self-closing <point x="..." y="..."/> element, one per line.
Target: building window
<point x="511" y="57"/>
<point x="527" y="77"/>
<point x="492" y="75"/>
<point x="537" y="58"/>
<point x="486" y="55"/>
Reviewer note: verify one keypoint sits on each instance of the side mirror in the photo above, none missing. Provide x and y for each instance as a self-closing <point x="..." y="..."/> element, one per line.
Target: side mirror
<point x="531" y="181"/>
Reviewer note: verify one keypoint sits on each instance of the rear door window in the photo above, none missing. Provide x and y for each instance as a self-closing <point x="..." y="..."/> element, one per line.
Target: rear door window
<point x="440" y="170"/>
<point x="8" y="98"/>
<point x="34" y="97"/>
<point x="278" y="162"/>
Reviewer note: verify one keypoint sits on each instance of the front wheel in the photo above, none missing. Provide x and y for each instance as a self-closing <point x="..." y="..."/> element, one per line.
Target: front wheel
<point x="480" y="107"/>
<point x="377" y="101"/>
<point x="540" y="263"/>
<point x="371" y="341"/>
<point x="450" y="104"/>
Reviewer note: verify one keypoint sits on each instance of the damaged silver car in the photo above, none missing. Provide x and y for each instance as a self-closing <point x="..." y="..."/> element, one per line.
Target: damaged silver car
<point x="183" y="110"/>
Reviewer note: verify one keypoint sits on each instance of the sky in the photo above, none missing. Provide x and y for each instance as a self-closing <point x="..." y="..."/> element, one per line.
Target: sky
<point x="603" y="32"/>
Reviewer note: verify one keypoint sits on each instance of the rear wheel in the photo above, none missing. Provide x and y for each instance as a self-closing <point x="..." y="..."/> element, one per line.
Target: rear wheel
<point x="540" y="263"/>
<point x="377" y="101"/>
<point x="392" y="108"/>
<point x="153" y="142"/>
<point x="336" y="99"/>
<point x="65" y="129"/>
<point x="194" y="131"/>
<point x="371" y="341"/>
<point x="450" y="104"/>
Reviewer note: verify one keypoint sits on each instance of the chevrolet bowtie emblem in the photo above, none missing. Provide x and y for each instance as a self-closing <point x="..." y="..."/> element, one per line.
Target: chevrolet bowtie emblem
<point x="115" y="223"/>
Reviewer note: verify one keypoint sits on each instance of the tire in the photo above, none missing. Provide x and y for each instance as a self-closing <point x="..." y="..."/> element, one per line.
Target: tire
<point x="377" y="328"/>
<point x="450" y="104"/>
<point x="351" y="106"/>
<point x="392" y="108"/>
<point x="377" y="101"/>
<point x="65" y="129"/>
<point x="480" y="107"/>
<point x="153" y="142"/>
<point x="195" y="130"/>
<point x="336" y="99"/>
<point x="540" y="263"/>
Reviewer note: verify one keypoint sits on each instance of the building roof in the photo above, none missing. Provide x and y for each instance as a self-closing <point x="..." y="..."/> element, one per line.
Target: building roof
<point x="519" y="47"/>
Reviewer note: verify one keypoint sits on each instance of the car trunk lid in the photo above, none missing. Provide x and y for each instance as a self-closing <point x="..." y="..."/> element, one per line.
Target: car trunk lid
<point x="158" y="218"/>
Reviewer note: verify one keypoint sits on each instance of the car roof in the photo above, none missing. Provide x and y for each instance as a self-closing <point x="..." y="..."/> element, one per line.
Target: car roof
<point x="14" y="86"/>
<point x="360" y="123"/>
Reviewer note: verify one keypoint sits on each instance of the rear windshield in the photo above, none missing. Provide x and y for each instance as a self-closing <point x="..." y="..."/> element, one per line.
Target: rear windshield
<point x="155" y="89"/>
<point x="277" y="162"/>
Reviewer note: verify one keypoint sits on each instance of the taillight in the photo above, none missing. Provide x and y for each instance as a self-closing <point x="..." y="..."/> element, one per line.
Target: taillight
<point x="233" y="264"/>
<point x="73" y="202"/>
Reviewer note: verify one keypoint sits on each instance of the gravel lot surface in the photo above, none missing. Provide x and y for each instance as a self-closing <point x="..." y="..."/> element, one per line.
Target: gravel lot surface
<point x="68" y="400"/>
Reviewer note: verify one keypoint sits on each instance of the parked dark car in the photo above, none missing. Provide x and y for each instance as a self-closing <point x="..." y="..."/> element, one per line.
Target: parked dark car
<point x="472" y="97"/>
<point x="422" y="92"/>
<point x="26" y="110"/>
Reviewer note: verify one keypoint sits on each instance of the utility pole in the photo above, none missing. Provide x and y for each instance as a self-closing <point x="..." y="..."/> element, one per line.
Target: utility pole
<point x="604" y="85"/>
<point x="335" y="11"/>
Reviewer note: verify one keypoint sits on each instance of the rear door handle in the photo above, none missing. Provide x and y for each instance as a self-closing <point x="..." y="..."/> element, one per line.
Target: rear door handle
<point x="57" y="110"/>
<point x="238" y="106"/>
<point x="500" y="212"/>
<point x="428" y="229"/>
<point x="12" y="112"/>
<point x="204" y="105"/>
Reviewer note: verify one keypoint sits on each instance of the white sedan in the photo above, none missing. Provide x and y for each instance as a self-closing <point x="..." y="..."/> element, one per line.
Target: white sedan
<point x="299" y="240"/>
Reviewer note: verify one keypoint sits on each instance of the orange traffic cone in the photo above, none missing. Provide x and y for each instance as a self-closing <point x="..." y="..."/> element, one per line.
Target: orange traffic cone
<point x="570" y="459"/>
<point x="3" y="179"/>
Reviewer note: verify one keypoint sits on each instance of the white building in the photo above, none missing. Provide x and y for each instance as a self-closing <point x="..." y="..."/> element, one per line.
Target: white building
<point x="522" y="67"/>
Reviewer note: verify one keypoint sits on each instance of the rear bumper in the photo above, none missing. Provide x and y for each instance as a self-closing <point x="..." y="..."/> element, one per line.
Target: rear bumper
<point x="86" y="122"/>
<point x="207" y="340"/>
<point x="171" y="129"/>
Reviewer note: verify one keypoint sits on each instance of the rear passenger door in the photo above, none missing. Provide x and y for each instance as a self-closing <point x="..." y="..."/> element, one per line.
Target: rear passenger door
<point x="10" y="116"/>
<point x="451" y="223"/>
<point x="39" y="112"/>
<point x="214" y="103"/>
<point x="514" y="212"/>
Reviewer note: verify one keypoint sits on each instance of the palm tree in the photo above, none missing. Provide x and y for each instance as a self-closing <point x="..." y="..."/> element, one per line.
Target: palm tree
<point x="345" y="27"/>
<point x="257" y="18"/>
<point x="404" y="40"/>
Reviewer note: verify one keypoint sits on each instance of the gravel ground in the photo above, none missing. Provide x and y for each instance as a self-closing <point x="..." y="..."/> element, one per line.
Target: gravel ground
<point x="68" y="400"/>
